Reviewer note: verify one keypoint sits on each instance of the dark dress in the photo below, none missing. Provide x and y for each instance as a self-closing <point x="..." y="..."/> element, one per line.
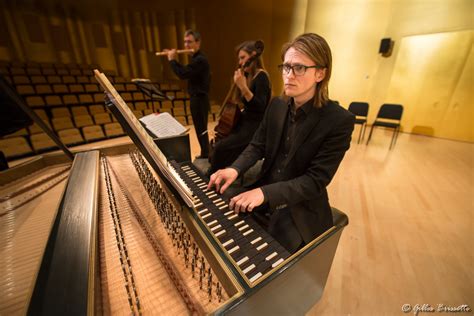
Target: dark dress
<point x="229" y="148"/>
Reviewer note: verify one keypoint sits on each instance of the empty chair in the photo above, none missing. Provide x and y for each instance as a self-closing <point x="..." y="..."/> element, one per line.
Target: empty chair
<point x="43" y="89"/>
<point x="41" y="142"/>
<point x="34" y="101"/>
<point x="60" y="88"/>
<point x="53" y="100"/>
<point x="179" y="111"/>
<point x="60" y="112"/>
<point x="102" y="118"/>
<point x="71" y="136"/>
<point x="53" y="79"/>
<point x="178" y="104"/>
<point x="97" y="108"/>
<point x="42" y="114"/>
<point x="181" y="95"/>
<point x="25" y="89"/>
<point x="48" y="71"/>
<point x="69" y="79"/>
<point x="35" y="129"/>
<point x="140" y="106"/>
<point x="17" y="71"/>
<point x="21" y="80"/>
<point x="62" y="71"/>
<point x="75" y="72"/>
<point x="99" y="98"/>
<point x="38" y="79"/>
<point x="131" y="87"/>
<point x="120" y="87"/>
<point x="138" y="114"/>
<point x="83" y="120"/>
<point x="15" y="147"/>
<point x="360" y="110"/>
<point x="166" y="105"/>
<point x="79" y="110"/>
<point x="127" y="97"/>
<point x="147" y="111"/>
<point x="138" y="96"/>
<point x="170" y="94"/>
<point x="70" y="99"/>
<point x="92" y="88"/>
<point x="164" y="86"/>
<point x="392" y="112"/>
<point x="93" y="133"/>
<point x="113" y="130"/>
<point x="85" y="99"/>
<point x="83" y="79"/>
<point x="33" y="71"/>
<point x="76" y="88"/>
<point x="60" y="123"/>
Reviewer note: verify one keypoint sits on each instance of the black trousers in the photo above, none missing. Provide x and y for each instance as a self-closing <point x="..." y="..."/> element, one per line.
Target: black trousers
<point x="199" y="111"/>
<point x="227" y="150"/>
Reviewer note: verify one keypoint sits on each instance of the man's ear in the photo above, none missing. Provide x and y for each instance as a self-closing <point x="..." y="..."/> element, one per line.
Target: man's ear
<point x="320" y="74"/>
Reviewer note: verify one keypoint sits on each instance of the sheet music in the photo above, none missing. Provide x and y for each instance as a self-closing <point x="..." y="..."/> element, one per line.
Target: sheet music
<point x="163" y="125"/>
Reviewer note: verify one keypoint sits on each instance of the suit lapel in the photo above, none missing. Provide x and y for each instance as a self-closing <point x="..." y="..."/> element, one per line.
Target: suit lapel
<point x="307" y="127"/>
<point x="276" y="129"/>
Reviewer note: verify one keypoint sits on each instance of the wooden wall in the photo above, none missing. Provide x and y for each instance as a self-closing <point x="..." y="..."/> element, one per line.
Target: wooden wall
<point x="122" y="35"/>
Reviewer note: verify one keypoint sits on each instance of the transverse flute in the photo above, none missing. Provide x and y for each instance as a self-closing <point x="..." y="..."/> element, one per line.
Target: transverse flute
<point x="179" y="51"/>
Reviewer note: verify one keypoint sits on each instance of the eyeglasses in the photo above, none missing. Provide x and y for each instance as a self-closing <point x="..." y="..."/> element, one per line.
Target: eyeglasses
<point x="298" y="70"/>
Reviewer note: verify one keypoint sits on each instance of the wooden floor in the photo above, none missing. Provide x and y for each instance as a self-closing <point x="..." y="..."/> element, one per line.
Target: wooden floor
<point x="410" y="233"/>
<point x="411" y="230"/>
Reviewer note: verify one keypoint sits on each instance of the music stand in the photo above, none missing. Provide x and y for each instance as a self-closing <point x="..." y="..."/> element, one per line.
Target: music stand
<point x="150" y="89"/>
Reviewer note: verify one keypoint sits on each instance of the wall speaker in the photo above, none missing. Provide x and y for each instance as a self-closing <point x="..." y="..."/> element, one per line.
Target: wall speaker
<point x="386" y="46"/>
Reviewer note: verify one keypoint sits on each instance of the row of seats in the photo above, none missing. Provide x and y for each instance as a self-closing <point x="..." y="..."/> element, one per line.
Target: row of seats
<point x="20" y="146"/>
<point x="46" y="89"/>
<point x="75" y="105"/>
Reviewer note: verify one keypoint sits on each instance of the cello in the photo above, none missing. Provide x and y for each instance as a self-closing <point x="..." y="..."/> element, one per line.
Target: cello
<point x="229" y="113"/>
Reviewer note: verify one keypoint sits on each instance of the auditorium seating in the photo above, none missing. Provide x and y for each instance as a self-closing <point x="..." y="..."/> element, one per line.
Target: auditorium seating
<point x="15" y="147"/>
<point x="93" y="132"/>
<point x="71" y="136"/>
<point x="41" y="142"/>
<point x="113" y="130"/>
<point x="70" y="101"/>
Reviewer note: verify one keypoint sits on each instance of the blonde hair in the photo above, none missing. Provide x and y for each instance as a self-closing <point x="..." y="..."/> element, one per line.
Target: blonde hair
<point x="317" y="49"/>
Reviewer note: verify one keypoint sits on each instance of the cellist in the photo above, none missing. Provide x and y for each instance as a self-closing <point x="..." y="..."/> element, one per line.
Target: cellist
<point x="254" y="91"/>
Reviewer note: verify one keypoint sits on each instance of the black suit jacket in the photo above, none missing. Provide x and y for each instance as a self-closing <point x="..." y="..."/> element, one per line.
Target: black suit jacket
<point x="299" y="205"/>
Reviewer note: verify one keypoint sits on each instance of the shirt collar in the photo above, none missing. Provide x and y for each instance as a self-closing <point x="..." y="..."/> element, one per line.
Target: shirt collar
<point x="305" y="108"/>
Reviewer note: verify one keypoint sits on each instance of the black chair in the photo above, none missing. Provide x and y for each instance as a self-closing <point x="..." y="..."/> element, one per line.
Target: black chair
<point x="360" y="109"/>
<point x="392" y="112"/>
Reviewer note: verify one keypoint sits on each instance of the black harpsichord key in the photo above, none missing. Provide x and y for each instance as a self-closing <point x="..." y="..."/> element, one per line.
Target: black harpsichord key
<point x="252" y="249"/>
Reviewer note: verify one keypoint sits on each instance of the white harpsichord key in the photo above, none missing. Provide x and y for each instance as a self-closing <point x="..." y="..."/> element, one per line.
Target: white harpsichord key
<point x="228" y="242"/>
<point x="249" y="268"/>
<point x="212" y="223"/>
<point x="255" y="277"/>
<point x="203" y="211"/>
<point x="218" y="234"/>
<point x="270" y="257"/>
<point x="277" y="262"/>
<point x="243" y="260"/>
